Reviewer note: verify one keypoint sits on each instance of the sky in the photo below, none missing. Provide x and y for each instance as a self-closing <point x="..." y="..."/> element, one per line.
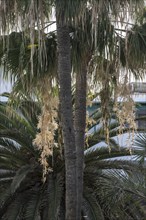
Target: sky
<point x="5" y="86"/>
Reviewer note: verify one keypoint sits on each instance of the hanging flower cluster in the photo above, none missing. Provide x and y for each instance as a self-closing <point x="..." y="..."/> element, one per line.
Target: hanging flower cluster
<point x="47" y="126"/>
<point x="125" y="110"/>
<point x="125" y="114"/>
<point x="114" y="92"/>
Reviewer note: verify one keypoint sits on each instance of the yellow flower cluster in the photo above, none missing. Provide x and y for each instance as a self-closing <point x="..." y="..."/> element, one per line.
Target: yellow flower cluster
<point x="47" y="126"/>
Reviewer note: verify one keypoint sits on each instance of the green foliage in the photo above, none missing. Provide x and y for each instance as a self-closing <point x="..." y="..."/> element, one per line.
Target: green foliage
<point x="107" y="188"/>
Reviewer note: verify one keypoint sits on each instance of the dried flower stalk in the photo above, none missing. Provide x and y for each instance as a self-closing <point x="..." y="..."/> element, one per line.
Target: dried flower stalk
<point x="47" y="126"/>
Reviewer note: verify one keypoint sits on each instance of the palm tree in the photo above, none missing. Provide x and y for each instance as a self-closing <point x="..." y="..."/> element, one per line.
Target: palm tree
<point x="64" y="66"/>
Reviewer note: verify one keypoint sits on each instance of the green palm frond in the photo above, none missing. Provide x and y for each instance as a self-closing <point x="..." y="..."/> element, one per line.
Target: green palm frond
<point x="91" y="208"/>
<point x="6" y="175"/>
<point x="9" y="145"/>
<point x="19" y="177"/>
<point x="140" y="143"/>
<point x="103" y="153"/>
<point x="55" y="193"/>
<point x="16" y="209"/>
<point x="14" y="157"/>
<point x="6" y="199"/>
<point x="33" y="205"/>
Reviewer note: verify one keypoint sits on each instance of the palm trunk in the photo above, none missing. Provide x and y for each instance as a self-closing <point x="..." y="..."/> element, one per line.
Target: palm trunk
<point x="80" y="123"/>
<point x="64" y="71"/>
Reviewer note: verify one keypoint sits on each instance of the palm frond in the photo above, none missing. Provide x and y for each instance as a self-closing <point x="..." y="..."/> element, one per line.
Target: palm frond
<point x="55" y="193"/>
<point x="19" y="177"/>
<point x="92" y="209"/>
<point x="33" y="205"/>
<point x="16" y="209"/>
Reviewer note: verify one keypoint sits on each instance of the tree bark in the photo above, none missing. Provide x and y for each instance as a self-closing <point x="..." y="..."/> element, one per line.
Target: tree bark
<point x="64" y="72"/>
<point x="80" y="124"/>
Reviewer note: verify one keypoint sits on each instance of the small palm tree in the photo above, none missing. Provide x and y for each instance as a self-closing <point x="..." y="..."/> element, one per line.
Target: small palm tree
<point x="25" y="196"/>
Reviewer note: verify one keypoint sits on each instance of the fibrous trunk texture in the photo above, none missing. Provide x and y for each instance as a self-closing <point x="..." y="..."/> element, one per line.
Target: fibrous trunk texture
<point x="64" y="72"/>
<point x="80" y="123"/>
